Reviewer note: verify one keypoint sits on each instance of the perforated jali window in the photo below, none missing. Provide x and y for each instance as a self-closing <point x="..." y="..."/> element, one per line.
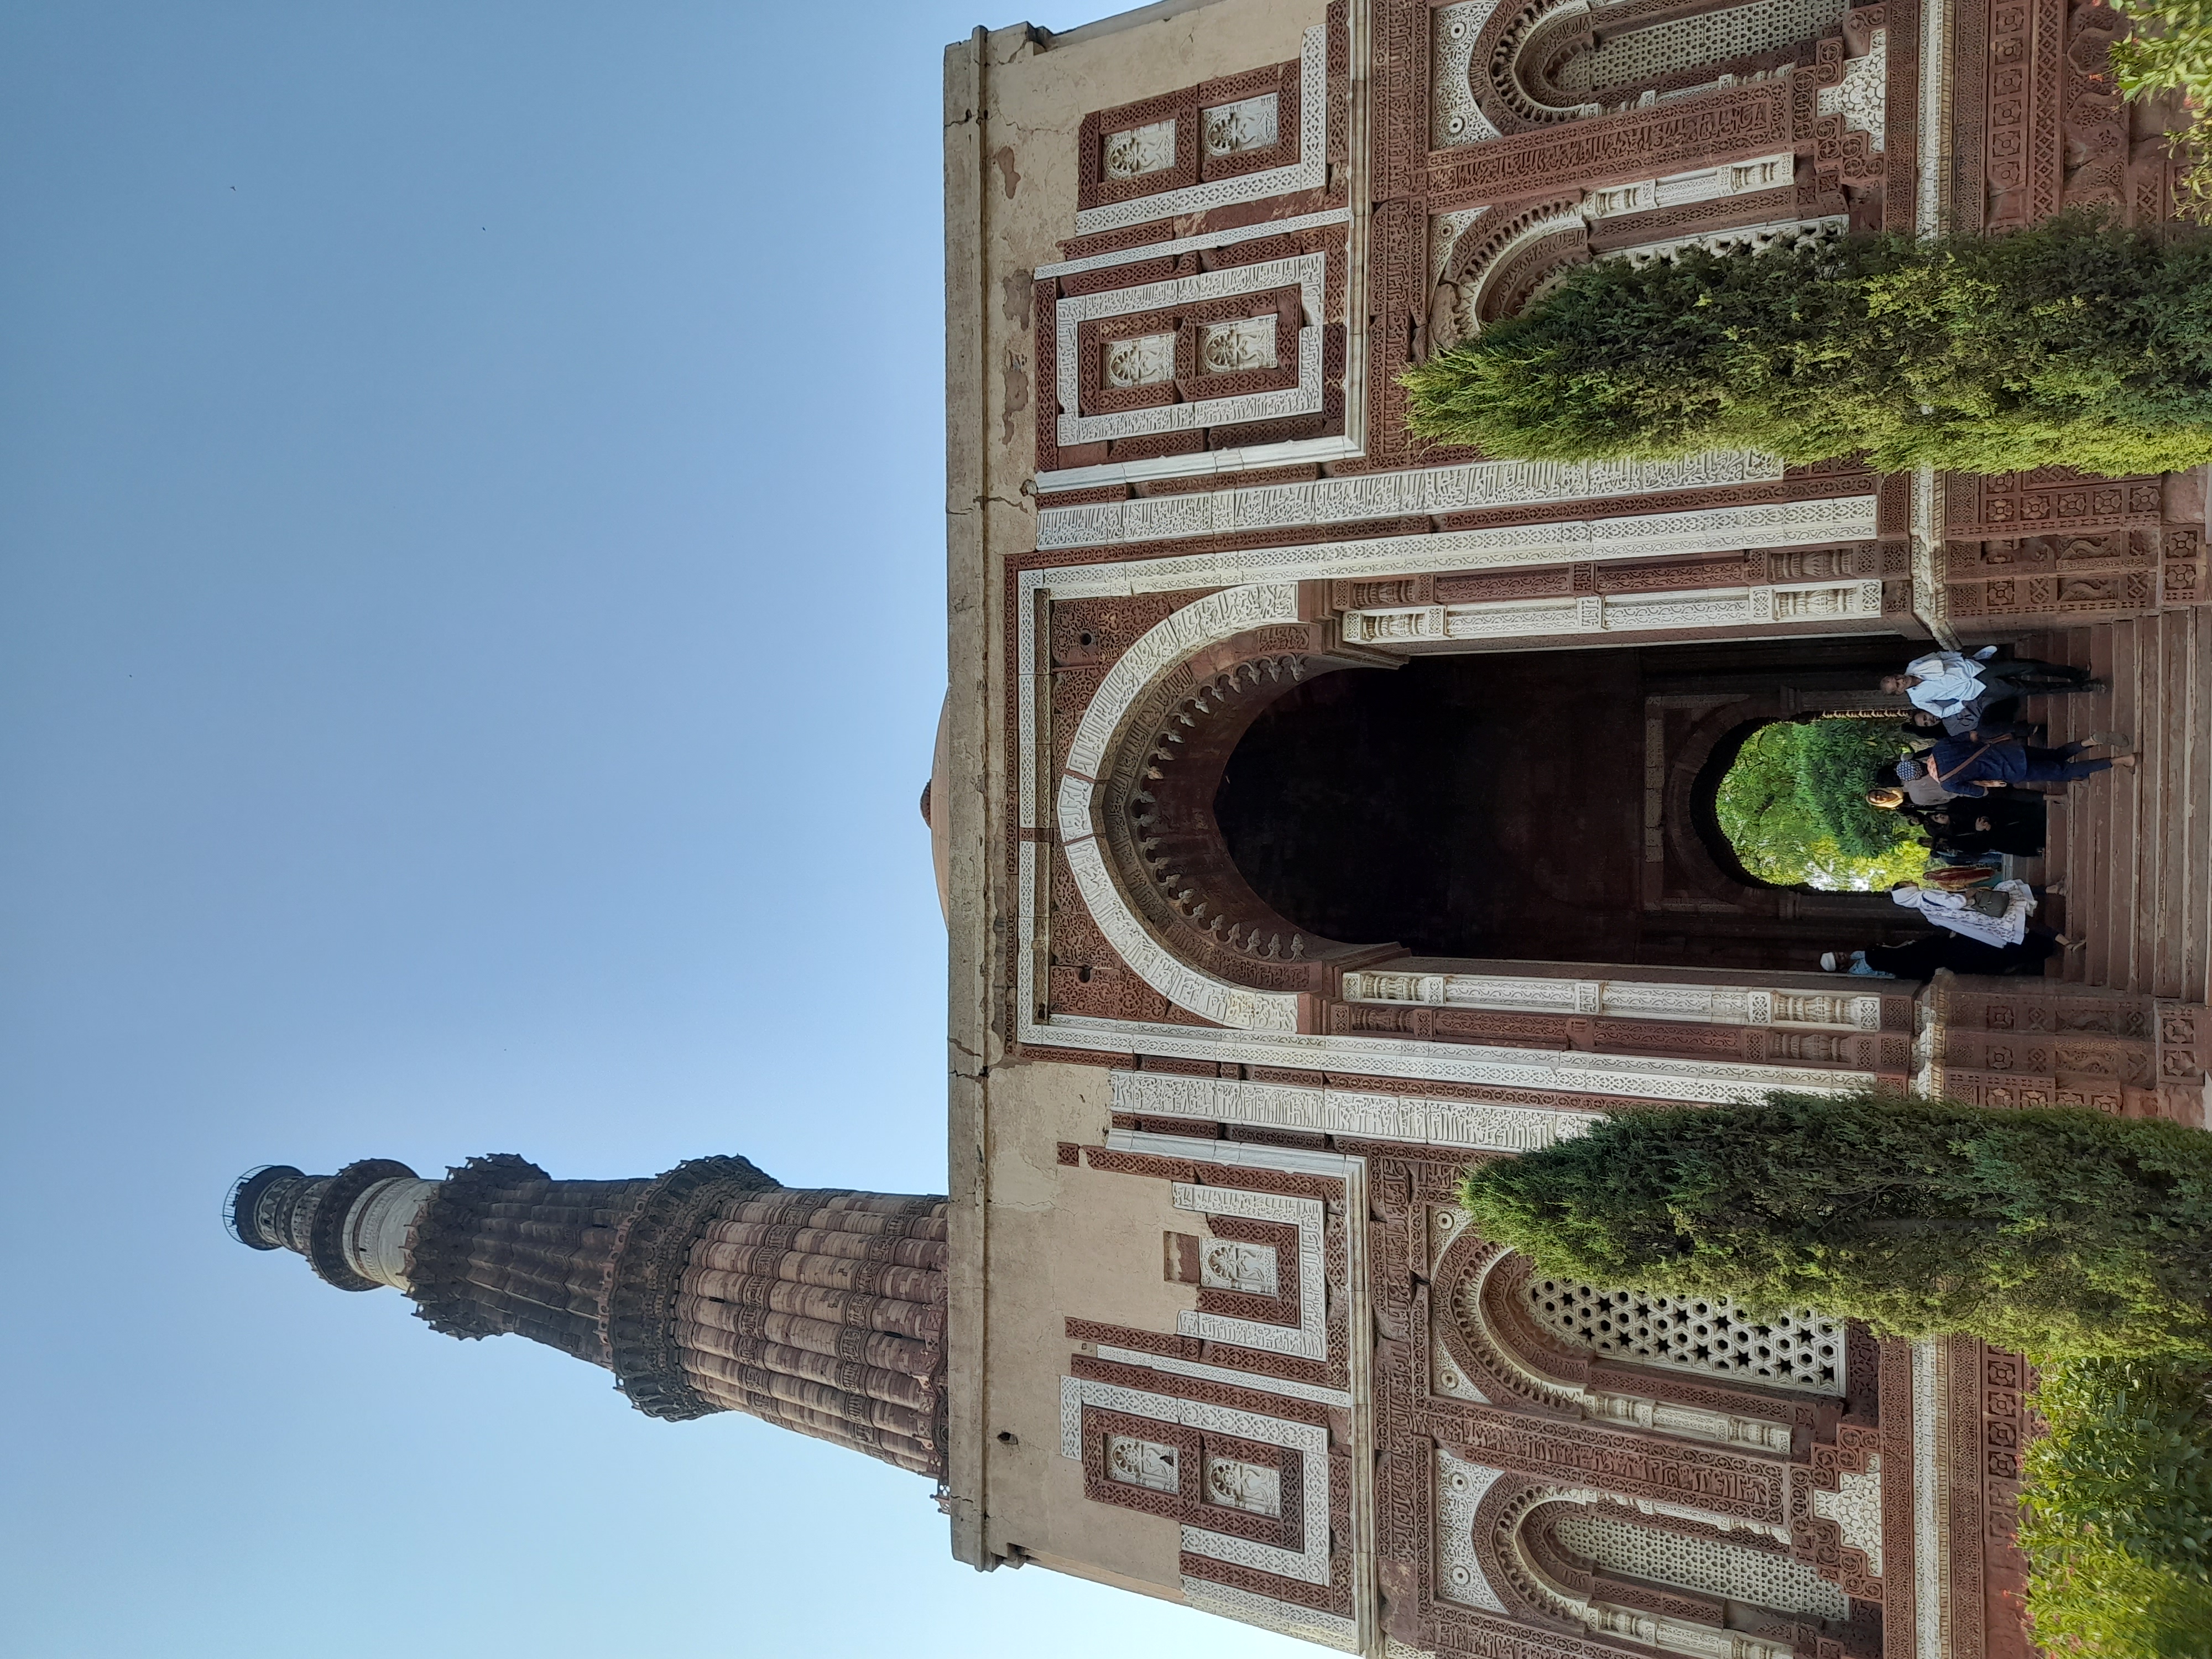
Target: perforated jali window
<point x="1641" y="57"/>
<point x="1795" y="1350"/>
<point x="1762" y="1576"/>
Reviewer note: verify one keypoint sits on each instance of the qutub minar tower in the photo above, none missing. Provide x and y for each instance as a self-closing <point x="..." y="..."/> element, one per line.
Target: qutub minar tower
<point x="1317" y="812"/>
<point x="711" y="1288"/>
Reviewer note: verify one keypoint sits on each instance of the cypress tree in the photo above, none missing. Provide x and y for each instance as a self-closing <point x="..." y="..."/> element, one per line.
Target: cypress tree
<point x="2060" y="1232"/>
<point x="2073" y="342"/>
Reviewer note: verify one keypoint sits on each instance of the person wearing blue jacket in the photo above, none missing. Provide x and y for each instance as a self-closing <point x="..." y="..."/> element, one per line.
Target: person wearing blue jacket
<point x="1973" y="765"/>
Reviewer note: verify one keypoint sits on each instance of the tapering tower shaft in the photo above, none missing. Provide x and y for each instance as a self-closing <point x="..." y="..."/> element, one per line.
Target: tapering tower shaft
<point x="709" y="1288"/>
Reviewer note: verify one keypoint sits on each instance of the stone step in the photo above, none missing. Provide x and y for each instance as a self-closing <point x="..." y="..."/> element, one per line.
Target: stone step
<point x="2134" y="848"/>
<point x="2196" y="918"/>
<point x="2185" y="890"/>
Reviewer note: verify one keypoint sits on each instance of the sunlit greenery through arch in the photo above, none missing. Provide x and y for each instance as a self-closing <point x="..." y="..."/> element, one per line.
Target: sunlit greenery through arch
<point x="1793" y="806"/>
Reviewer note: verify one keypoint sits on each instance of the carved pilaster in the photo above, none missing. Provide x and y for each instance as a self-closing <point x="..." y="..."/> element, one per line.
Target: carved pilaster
<point x="2046" y="1042"/>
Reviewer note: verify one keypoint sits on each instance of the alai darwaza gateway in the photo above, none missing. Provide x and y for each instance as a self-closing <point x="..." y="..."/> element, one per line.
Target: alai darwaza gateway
<point x="1230" y="1014"/>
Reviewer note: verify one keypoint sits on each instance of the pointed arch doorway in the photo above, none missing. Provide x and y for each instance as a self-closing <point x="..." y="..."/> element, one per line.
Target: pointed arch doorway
<point x="1535" y="805"/>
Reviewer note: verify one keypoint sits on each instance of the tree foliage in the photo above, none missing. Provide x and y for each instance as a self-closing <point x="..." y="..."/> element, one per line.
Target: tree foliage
<point x="1793" y="804"/>
<point x="2116" y="1519"/>
<point x="2170" y="51"/>
<point x="2059" y="1232"/>
<point x="2072" y="341"/>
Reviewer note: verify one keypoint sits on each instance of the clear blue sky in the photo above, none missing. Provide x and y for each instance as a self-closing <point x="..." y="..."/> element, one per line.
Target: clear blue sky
<point x="470" y="631"/>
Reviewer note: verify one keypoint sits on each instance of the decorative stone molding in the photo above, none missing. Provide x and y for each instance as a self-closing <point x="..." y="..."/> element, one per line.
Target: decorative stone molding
<point x="1430" y="627"/>
<point x="1639" y="143"/>
<point x="1304" y="272"/>
<point x="1856" y="1508"/>
<point x="1638" y="67"/>
<point x="1369" y="496"/>
<point x="1517" y="1536"/>
<point x="1461" y="1486"/>
<point x="2041" y="1042"/>
<point x="1711" y="1566"/>
<point x="1501" y="1350"/>
<point x="1721" y="1005"/>
<point x="1761" y="173"/>
<point x="1493" y="278"/>
<point x="1757" y="238"/>
<point x="1618" y="1075"/>
<point x="1160" y="840"/>
<point x="1135" y="673"/>
<point x="1778" y="525"/>
<point x="1862" y="97"/>
<point x="1309" y="171"/>
<point x="1176" y="246"/>
<point x="1239" y="999"/>
<point x="652" y="1254"/>
<point x="1408" y="1117"/>
<point x="1327" y="1630"/>
<point x="1309" y="1337"/>
<point x="1309" y="1562"/>
<point x="1456" y="117"/>
<point x="1488" y="266"/>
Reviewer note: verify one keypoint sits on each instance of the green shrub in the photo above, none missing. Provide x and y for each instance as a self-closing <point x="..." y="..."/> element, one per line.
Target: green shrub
<point x="2116" y="1520"/>
<point x="1837" y="761"/>
<point x="2062" y="1233"/>
<point x="1793" y="806"/>
<point x="2072" y="341"/>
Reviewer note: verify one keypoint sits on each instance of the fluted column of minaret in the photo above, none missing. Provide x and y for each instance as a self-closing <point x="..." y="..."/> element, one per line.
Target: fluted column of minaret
<point x="710" y="1288"/>
<point x="503" y="1247"/>
<point x="824" y="1311"/>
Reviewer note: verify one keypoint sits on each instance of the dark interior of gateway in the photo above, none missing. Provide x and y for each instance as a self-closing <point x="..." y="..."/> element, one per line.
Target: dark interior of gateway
<point x="1495" y="804"/>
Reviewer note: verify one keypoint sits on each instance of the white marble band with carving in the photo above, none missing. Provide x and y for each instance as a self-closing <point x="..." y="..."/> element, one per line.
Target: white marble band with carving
<point x="1720" y="1005"/>
<point x="1438" y="627"/>
<point x="1371" y="1115"/>
<point x="1427" y="490"/>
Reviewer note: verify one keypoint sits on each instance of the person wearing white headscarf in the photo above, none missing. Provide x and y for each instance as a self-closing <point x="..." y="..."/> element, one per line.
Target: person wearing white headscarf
<point x="1957" y="911"/>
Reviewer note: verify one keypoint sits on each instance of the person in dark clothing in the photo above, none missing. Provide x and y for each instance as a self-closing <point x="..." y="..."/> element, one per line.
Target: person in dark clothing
<point x="1919" y="957"/>
<point x="1998" y="719"/>
<point x="1972" y="765"/>
<point x="1995" y="823"/>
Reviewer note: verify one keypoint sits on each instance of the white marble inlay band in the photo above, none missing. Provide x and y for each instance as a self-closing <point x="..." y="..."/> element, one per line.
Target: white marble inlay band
<point x="1930" y="1544"/>
<point x="1228" y="238"/>
<point x="1417" y="628"/>
<point x="1425" y="492"/>
<point x="1486" y="1126"/>
<point x="1723" y="1005"/>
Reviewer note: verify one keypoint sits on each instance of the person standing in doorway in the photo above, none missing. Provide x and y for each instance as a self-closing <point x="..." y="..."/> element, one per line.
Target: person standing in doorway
<point x="1956" y="687"/>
